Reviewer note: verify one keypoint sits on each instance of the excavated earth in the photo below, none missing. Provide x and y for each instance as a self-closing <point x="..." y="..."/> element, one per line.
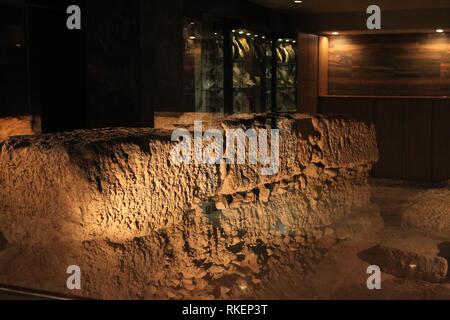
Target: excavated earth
<point x="140" y="226"/>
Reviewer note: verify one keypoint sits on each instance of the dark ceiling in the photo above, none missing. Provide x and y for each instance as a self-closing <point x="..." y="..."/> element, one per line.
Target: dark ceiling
<point x="340" y="6"/>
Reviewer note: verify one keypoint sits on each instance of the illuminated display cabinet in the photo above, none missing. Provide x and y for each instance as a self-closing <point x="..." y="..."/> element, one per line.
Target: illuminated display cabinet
<point x="231" y="70"/>
<point x="285" y="50"/>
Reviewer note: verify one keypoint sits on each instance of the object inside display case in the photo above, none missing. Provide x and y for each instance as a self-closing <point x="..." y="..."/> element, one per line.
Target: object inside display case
<point x="252" y="72"/>
<point x="203" y="67"/>
<point x="286" y="82"/>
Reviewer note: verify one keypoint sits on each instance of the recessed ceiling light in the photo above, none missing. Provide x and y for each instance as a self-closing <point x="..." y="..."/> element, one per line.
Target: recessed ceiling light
<point x="335" y="33"/>
<point x="298" y="1"/>
<point x="439" y="30"/>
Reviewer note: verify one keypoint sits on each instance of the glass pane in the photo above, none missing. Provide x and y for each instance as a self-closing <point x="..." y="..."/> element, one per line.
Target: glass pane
<point x="286" y="57"/>
<point x="252" y="68"/>
<point x="203" y="67"/>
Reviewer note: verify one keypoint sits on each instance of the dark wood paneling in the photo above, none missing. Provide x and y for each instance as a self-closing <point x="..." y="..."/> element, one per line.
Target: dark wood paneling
<point x="332" y="106"/>
<point x="361" y="109"/>
<point x="323" y="65"/>
<point x="417" y="147"/>
<point x="388" y="118"/>
<point x="441" y="140"/>
<point x="413" y="134"/>
<point x="308" y="64"/>
<point x="356" y="108"/>
<point x="113" y="68"/>
<point x="390" y="65"/>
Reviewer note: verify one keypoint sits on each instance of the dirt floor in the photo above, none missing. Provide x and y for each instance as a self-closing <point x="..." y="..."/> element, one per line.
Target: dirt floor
<point x="341" y="274"/>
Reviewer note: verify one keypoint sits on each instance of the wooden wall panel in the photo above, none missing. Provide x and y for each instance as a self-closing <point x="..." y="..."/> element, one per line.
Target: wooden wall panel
<point x="332" y="105"/>
<point x="323" y="65"/>
<point x="390" y="65"/>
<point x="441" y="140"/>
<point x="361" y="109"/>
<point x="388" y="118"/>
<point x="417" y="146"/>
<point x="356" y="108"/>
<point x="413" y="134"/>
<point x="308" y="60"/>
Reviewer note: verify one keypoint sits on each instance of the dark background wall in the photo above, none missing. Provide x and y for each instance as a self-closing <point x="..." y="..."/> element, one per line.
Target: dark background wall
<point x="390" y="65"/>
<point x="125" y="63"/>
<point x="56" y="66"/>
<point x="162" y="55"/>
<point x="41" y="65"/>
<point x="112" y="51"/>
<point x="243" y="14"/>
<point x="13" y="62"/>
<point x="413" y="133"/>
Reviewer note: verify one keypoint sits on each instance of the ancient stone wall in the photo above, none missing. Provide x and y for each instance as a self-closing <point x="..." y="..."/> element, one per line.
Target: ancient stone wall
<point x="113" y="202"/>
<point x="17" y="126"/>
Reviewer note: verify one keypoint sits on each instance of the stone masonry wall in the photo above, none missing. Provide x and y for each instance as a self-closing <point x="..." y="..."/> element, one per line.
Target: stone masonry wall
<point x="140" y="226"/>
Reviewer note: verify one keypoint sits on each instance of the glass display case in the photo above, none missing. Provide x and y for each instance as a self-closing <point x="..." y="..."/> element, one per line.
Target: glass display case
<point x="252" y="72"/>
<point x="237" y="70"/>
<point x="286" y="75"/>
<point x="203" y="67"/>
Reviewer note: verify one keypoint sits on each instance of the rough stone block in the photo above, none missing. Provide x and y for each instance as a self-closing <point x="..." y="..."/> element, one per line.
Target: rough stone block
<point x="15" y="126"/>
<point x="429" y="210"/>
<point x="415" y="258"/>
